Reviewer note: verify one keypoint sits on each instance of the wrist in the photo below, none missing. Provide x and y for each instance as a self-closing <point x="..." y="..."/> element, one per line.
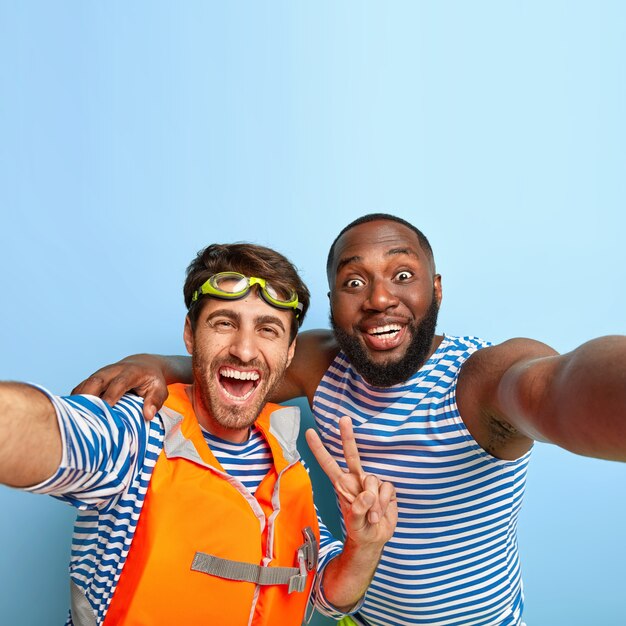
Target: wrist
<point x="365" y="552"/>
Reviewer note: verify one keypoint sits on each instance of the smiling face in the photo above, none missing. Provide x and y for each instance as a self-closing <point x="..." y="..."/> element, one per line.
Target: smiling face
<point x="240" y="350"/>
<point x="384" y="300"/>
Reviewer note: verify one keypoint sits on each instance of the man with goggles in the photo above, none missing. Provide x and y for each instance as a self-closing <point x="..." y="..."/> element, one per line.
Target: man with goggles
<point x="223" y="528"/>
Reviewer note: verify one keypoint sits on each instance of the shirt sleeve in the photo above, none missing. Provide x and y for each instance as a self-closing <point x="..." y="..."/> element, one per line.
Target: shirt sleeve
<point x="101" y="446"/>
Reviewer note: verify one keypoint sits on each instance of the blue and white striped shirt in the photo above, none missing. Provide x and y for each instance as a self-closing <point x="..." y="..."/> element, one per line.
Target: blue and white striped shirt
<point x="453" y="560"/>
<point x="108" y="457"/>
<point x="248" y="462"/>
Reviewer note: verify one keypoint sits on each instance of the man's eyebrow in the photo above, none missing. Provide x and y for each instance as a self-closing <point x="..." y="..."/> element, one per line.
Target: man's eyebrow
<point x="270" y="319"/>
<point x="346" y="261"/>
<point x="224" y="313"/>
<point x="393" y="251"/>
<point x="408" y="251"/>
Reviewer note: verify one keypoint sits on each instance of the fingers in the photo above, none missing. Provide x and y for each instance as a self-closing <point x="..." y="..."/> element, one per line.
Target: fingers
<point x="380" y="496"/>
<point x="149" y="411"/>
<point x="116" y="388"/>
<point x="326" y="462"/>
<point x="360" y="510"/>
<point x="92" y="386"/>
<point x="106" y="383"/>
<point x="112" y="382"/>
<point x="371" y="484"/>
<point x="153" y="402"/>
<point x="386" y="496"/>
<point x="350" y="451"/>
<point x="140" y="374"/>
<point x="348" y="442"/>
<point x="366" y="492"/>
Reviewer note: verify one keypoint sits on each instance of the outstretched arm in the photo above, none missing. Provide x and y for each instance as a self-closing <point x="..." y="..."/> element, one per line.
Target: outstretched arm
<point x="576" y="400"/>
<point x="370" y="514"/>
<point x="30" y="441"/>
<point x="523" y="390"/>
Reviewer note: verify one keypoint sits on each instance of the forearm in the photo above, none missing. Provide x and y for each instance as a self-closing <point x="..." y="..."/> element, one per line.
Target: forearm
<point x="347" y="576"/>
<point x="30" y="441"/>
<point x="177" y="369"/>
<point x="576" y="401"/>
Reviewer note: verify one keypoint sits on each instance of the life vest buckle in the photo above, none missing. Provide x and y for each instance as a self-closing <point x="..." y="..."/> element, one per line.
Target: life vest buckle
<point x="307" y="561"/>
<point x="309" y="549"/>
<point x="298" y="581"/>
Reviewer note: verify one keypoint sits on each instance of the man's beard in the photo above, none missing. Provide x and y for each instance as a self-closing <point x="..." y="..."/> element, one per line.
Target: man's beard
<point x="393" y="372"/>
<point x="232" y="417"/>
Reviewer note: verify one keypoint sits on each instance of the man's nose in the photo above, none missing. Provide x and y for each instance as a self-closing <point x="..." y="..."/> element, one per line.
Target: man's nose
<point x="244" y="346"/>
<point x="381" y="296"/>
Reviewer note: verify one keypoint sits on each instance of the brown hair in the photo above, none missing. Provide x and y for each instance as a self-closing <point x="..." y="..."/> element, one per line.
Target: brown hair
<point x="250" y="260"/>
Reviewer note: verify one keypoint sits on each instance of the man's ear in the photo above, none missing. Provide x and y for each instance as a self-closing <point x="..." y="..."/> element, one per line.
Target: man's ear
<point x="291" y="351"/>
<point x="438" y="289"/>
<point x="188" y="335"/>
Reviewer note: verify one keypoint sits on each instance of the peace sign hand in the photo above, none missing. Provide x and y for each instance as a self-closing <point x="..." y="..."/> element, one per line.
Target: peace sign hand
<point x="368" y="505"/>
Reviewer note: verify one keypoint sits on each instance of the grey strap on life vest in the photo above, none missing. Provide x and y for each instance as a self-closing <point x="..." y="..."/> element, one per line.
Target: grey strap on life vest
<point x="294" y="577"/>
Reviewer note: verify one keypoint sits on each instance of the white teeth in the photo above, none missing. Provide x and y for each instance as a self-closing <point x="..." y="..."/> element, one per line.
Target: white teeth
<point x="231" y="373"/>
<point x="387" y="328"/>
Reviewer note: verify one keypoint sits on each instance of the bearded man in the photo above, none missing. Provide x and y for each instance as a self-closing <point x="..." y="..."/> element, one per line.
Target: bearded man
<point x="450" y="421"/>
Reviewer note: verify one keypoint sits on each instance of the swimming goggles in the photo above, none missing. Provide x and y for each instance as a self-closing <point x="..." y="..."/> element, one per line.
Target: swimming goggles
<point x="233" y="286"/>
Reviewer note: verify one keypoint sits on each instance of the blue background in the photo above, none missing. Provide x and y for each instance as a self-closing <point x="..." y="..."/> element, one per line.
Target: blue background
<point x="133" y="134"/>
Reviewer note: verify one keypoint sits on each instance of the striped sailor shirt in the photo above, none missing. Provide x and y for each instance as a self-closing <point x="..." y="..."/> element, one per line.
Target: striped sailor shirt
<point x="453" y="560"/>
<point x="108" y="457"/>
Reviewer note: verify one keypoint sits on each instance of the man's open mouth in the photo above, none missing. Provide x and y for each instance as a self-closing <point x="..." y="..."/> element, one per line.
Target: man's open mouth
<point x="385" y="336"/>
<point x="238" y="384"/>
<point x="388" y="331"/>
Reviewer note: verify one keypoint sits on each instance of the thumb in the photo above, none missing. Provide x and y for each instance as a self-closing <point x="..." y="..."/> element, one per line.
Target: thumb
<point x="152" y="403"/>
<point x="149" y="410"/>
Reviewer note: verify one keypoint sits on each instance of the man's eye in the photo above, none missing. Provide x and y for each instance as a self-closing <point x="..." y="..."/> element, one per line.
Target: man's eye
<point x="354" y="283"/>
<point x="269" y="330"/>
<point x="403" y="276"/>
<point x="222" y="324"/>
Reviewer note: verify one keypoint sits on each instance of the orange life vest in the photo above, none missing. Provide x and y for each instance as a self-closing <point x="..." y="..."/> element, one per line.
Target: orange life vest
<point x="202" y="537"/>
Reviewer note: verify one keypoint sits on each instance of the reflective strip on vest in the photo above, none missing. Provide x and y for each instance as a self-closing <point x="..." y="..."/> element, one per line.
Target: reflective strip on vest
<point x="82" y="611"/>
